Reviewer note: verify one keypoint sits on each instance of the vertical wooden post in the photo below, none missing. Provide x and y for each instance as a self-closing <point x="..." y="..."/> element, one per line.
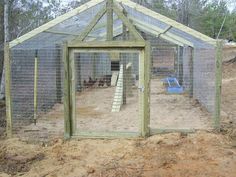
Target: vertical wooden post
<point x="7" y="62"/>
<point x="109" y="20"/>
<point x="144" y="90"/>
<point x="191" y="71"/>
<point x="72" y="79"/>
<point x="147" y="88"/>
<point x="218" y="80"/>
<point x="67" y="124"/>
<point x="35" y="86"/>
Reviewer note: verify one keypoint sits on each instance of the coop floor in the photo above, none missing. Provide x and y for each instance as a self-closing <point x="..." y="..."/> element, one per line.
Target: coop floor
<point x="94" y="113"/>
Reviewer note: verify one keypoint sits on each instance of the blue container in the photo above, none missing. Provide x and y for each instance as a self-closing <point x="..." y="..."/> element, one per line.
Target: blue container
<point x="173" y="85"/>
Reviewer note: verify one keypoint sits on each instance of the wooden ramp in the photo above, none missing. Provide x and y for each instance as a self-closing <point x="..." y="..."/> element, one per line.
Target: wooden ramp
<point x="118" y="98"/>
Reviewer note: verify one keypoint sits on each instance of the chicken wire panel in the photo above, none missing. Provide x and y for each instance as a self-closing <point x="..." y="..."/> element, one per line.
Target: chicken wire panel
<point x="204" y="73"/>
<point x="171" y="104"/>
<point x="49" y="89"/>
<point x="67" y="30"/>
<point x="107" y="91"/>
<point x="141" y="18"/>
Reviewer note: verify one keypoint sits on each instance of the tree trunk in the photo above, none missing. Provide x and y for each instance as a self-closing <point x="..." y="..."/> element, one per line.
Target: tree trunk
<point x="6" y="39"/>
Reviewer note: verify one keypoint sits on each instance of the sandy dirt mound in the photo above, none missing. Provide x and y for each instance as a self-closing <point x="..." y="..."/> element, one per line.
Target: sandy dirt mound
<point x="178" y="155"/>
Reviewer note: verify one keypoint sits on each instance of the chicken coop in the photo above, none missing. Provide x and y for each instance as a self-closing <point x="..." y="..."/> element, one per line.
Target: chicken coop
<point x="112" y="68"/>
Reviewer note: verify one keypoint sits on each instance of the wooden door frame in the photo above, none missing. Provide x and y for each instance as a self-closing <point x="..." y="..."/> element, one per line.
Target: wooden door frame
<point x="143" y="48"/>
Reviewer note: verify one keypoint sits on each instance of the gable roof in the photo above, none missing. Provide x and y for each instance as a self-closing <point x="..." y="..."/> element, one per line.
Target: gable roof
<point x="143" y="18"/>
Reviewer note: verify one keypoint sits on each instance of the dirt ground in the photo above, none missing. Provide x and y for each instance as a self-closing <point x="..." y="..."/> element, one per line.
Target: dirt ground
<point x="93" y="111"/>
<point x="200" y="154"/>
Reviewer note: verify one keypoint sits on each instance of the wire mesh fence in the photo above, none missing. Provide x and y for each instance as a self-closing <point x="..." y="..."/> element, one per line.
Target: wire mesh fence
<point x="107" y="100"/>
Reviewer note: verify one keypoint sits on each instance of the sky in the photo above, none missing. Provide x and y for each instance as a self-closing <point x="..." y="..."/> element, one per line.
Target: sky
<point x="231" y="3"/>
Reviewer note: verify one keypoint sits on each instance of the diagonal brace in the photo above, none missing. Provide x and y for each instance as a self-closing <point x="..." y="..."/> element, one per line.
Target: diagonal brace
<point x="91" y="25"/>
<point x="127" y="22"/>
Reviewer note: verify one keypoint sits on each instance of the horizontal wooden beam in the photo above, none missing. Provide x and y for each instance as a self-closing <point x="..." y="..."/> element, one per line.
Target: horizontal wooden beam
<point x="168" y="21"/>
<point x="92" y="134"/>
<point x="54" y="22"/>
<point x="107" y="44"/>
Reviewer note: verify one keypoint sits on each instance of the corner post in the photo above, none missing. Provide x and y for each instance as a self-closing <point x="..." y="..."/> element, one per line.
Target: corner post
<point x="109" y="20"/>
<point x="218" y="80"/>
<point x="67" y="123"/>
<point x="7" y="61"/>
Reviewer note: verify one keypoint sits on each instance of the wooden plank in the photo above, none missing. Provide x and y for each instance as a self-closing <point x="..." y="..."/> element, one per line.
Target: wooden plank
<point x="218" y="80"/>
<point x="109" y="20"/>
<point x="35" y="86"/>
<point x="147" y="73"/>
<point x="92" y="134"/>
<point x="91" y="25"/>
<point x="72" y="79"/>
<point x="141" y="93"/>
<point x="127" y="23"/>
<point x="155" y="30"/>
<point x="54" y="22"/>
<point x="7" y="62"/>
<point x="108" y="44"/>
<point x="161" y="131"/>
<point x="67" y="124"/>
<point x="168" y="21"/>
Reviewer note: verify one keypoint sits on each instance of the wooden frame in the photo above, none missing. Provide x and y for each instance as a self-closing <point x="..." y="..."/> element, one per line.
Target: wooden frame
<point x="69" y="92"/>
<point x="7" y="62"/>
<point x="218" y="83"/>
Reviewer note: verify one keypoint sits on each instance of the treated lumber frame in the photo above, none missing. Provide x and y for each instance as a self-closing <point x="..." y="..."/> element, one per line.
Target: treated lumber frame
<point x="218" y="81"/>
<point x="108" y="46"/>
<point x="7" y="62"/>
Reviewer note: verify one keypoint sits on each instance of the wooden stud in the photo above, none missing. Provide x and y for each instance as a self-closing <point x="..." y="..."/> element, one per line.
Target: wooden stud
<point x="72" y="79"/>
<point x="35" y="86"/>
<point x="141" y="93"/>
<point x="147" y="73"/>
<point x="67" y="123"/>
<point x="218" y="77"/>
<point x="127" y="23"/>
<point x="109" y="20"/>
<point x="7" y="62"/>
